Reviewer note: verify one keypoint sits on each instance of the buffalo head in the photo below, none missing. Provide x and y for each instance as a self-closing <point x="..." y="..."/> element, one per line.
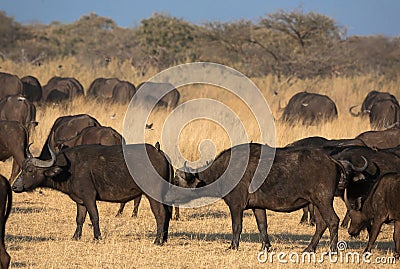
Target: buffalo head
<point x="359" y="221"/>
<point x="187" y="177"/>
<point x="35" y="172"/>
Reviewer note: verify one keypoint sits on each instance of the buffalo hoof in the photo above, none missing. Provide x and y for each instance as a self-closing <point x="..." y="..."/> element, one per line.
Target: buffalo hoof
<point x="357" y="236"/>
<point x="304" y="221"/>
<point x="158" y="242"/>
<point x="309" y="249"/>
<point x="76" y="237"/>
<point x="367" y="250"/>
<point x="119" y="214"/>
<point x="232" y="247"/>
<point x="98" y="238"/>
<point x="265" y="248"/>
<point x="134" y="216"/>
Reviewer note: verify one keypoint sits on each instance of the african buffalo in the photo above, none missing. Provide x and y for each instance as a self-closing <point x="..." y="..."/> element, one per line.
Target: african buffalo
<point x="381" y="160"/>
<point x="64" y="129"/>
<point x="296" y="179"/>
<point x="384" y="113"/>
<point x="380" y="206"/>
<point x="9" y="85"/>
<point x="384" y="139"/>
<point x="102" y="88"/>
<point x="112" y="89"/>
<point x="99" y="135"/>
<point x="62" y="88"/>
<point x="309" y="109"/>
<point x="329" y="147"/>
<point x="32" y="89"/>
<point x="90" y="173"/>
<point x="123" y="92"/>
<point x="360" y="183"/>
<point x="371" y="98"/>
<point x="18" y="108"/>
<point x="169" y="100"/>
<point x="5" y="210"/>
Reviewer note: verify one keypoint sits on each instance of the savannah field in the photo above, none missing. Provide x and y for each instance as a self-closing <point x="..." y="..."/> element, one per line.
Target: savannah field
<point x="40" y="227"/>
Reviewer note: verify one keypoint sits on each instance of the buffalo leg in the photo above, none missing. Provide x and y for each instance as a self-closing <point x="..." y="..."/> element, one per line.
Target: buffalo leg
<point x="237" y="221"/>
<point x="4" y="256"/>
<point x="332" y="220"/>
<point x="325" y="219"/>
<point x="304" y="217"/>
<point x="345" y="221"/>
<point x="396" y="239"/>
<point x="375" y="230"/>
<point x="312" y="214"/>
<point x="320" y="227"/>
<point x="176" y="217"/>
<point x="136" y="203"/>
<point x="94" y="218"/>
<point x="80" y="219"/>
<point x="308" y="211"/>
<point x="261" y="218"/>
<point x="121" y="209"/>
<point x="162" y="213"/>
<point x="168" y="216"/>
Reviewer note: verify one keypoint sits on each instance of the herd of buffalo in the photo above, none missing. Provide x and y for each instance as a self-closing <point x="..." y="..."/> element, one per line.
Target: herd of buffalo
<point x="85" y="160"/>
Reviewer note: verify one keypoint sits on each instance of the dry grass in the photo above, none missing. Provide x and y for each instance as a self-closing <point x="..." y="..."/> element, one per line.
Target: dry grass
<point x="41" y="225"/>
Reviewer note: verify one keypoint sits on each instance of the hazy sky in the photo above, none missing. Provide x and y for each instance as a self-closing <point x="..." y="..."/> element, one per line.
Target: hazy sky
<point x="361" y="17"/>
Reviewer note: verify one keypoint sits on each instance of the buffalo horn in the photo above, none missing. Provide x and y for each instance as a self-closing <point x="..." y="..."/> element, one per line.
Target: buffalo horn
<point x="28" y="152"/>
<point x="352" y="113"/>
<point x="357" y="169"/>
<point x="44" y="164"/>
<point x="346" y="200"/>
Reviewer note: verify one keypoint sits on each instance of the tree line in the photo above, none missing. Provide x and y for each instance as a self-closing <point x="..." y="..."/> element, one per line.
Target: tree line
<point x="286" y="44"/>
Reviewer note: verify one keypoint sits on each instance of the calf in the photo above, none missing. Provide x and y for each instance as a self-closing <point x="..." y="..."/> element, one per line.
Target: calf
<point x="381" y="205"/>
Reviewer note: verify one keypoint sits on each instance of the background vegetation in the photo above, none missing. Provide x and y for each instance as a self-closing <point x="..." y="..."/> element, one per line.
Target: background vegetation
<point x="289" y="43"/>
<point x="283" y="53"/>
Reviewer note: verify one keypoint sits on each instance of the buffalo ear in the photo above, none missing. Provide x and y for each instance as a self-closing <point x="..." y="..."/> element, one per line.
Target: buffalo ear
<point x="355" y="215"/>
<point x="62" y="160"/>
<point x="53" y="171"/>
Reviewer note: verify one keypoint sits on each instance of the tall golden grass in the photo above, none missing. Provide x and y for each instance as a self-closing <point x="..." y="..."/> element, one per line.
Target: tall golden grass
<point x="41" y="225"/>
